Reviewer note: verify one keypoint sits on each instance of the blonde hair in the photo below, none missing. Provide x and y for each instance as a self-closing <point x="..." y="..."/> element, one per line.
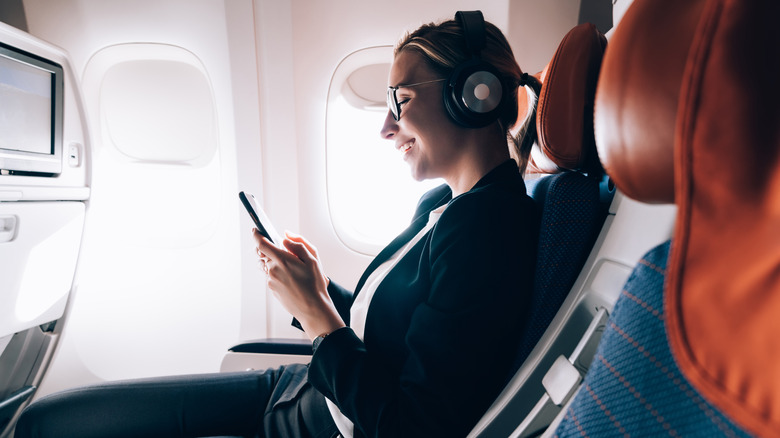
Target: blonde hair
<point x="444" y="47"/>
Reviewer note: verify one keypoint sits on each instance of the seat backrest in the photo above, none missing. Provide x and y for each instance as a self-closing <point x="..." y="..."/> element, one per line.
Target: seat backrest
<point x="634" y="386"/>
<point x="689" y="115"/>
<point x="572" y="216"/>
<point x="573" y="209"/>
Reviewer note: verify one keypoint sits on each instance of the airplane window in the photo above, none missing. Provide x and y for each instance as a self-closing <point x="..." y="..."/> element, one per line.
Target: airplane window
<point x="371" y="193"/>
<point x="180" y="127"/>
<point x="162" y="132"/>
<point x="158" y="129"/>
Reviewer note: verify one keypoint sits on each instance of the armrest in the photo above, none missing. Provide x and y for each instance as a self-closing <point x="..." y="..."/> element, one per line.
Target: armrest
<point x="299" y="347"/>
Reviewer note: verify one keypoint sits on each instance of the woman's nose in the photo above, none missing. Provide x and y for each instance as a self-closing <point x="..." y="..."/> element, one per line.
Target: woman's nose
<point x="390" y="127"/>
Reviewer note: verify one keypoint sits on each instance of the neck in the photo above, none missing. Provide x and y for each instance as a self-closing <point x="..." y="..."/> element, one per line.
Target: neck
<point x="478" y="159"/>
<point x="473" y="168"/>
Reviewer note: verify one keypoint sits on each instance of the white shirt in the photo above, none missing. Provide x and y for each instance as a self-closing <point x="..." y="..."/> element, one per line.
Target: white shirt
<point x="359" y="310"/>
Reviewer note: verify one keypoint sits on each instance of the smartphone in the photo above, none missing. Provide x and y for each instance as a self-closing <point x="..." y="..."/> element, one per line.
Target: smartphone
<point x="260" y="219"/>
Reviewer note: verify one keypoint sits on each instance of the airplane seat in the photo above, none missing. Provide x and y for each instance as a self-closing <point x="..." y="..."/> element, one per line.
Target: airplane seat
<point x="574" y="199"/>
<point x="573" y="207"/>
<point x="685" y="116"/>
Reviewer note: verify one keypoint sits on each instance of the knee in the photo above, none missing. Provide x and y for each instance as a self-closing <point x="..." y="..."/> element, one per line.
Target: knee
<point x="45" y="417"/>
<point x="25" y="426"/>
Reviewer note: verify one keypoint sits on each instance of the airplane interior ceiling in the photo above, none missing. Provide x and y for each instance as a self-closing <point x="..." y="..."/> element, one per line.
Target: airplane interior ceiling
<point x="265" y="67"/>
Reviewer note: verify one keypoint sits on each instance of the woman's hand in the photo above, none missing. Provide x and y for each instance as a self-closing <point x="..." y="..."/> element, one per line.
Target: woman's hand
<point x="296" y="278"/>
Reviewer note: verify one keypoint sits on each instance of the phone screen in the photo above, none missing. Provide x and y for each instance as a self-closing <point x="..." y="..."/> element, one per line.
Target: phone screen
<point x="260" y="219"/>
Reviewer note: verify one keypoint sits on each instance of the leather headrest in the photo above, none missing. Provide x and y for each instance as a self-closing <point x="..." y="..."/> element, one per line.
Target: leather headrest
<point x="636" y="100"/>
<point x="564" y="117"/>
<point x="687" y="110"/>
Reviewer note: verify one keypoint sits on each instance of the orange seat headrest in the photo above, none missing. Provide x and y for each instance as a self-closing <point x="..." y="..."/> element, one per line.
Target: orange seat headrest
<point x="564" y="118"/>
<point x="637" y="98"/>
<point x="687" y="112"/>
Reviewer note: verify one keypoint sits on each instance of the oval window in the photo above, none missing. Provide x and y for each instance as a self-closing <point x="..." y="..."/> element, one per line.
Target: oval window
<point x="371" y="194"/>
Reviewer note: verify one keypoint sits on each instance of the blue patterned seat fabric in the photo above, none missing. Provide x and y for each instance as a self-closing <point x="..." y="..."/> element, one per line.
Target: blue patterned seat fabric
<point x="572" y="216"/>
<point x="633" y="387"/>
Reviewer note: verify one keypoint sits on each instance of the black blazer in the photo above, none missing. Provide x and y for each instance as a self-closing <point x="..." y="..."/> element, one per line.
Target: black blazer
<point x="443" y="327"/>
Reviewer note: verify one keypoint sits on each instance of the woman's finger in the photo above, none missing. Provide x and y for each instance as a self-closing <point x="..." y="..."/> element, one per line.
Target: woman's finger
<point x="299" y="250"/>
<point x="300" y="239"/>
<point x="265" y="247"/>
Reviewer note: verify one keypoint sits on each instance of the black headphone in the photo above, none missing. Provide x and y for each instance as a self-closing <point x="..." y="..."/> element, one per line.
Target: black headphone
<point x="473" y="92"/>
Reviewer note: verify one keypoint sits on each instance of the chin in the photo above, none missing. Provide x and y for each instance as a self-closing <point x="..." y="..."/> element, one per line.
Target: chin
<point x="419" y="176"/>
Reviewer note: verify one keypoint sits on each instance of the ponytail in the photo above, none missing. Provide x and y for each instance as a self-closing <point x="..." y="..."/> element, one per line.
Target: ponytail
<point x="525" y="137"/>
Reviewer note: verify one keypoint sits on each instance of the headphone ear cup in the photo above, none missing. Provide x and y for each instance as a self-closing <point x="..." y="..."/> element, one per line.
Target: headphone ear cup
<point x="473" y="94"/>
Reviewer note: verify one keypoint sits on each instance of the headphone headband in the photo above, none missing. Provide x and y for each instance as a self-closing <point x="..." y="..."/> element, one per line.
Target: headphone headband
<point x="473" y="24"/>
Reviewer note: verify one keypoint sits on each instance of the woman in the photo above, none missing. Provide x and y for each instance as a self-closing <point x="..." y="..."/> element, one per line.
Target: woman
<point x="423" y="347"/>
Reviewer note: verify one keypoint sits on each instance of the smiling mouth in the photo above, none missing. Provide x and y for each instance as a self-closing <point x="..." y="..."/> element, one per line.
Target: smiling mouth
<point x="404" y="148"/>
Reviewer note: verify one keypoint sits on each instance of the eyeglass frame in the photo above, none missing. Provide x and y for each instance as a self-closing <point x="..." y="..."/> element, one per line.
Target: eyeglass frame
<point x="392" y="99"/>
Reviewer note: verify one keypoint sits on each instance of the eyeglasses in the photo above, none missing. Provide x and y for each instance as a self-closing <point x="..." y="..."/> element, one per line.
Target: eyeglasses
<point x="392" y="99"/>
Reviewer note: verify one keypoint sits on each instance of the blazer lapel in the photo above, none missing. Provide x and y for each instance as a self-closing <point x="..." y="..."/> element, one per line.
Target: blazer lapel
<point x="417" y="224"/>
<point x="392" y="248"/>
